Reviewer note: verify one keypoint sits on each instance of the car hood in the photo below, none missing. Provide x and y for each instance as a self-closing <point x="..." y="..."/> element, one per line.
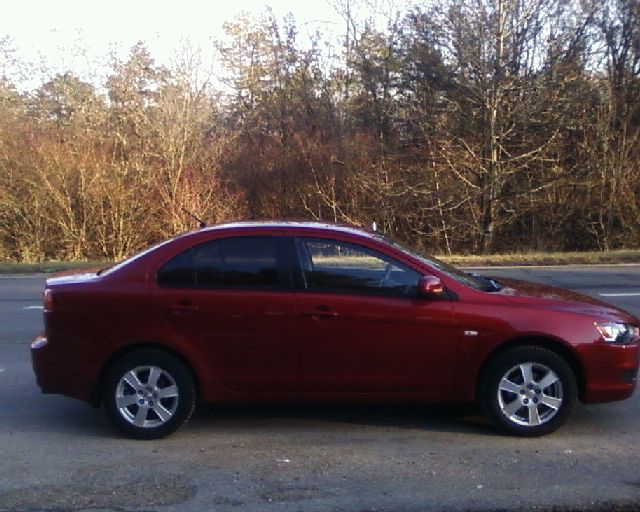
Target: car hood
<point x="551" y="297"/>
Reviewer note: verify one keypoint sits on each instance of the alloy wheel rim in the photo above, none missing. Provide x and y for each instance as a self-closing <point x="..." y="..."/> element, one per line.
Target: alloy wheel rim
<point x="530" y="394"/>
<point x="147" y="396"/>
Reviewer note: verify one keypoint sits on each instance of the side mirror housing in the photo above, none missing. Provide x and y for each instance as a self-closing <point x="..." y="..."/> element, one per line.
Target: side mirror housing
<point x="430" y="286"/>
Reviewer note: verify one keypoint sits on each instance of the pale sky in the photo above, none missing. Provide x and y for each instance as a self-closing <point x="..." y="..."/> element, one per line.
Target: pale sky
<point x="53" y="31"/>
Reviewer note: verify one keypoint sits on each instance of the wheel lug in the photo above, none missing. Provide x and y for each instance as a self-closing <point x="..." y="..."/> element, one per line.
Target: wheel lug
<point x="141" y="402"/>
<point x="139" y="391"/>
<point x="522" y="391"/>
<point x="525" y="401"/>
<point x="155" y="395"/>
<point x="535" y="400"/>
<point x="150" y="403"/>
<point x="538" y="391"/>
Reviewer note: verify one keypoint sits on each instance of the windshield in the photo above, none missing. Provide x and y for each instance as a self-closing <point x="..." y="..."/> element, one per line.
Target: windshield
<point x="472" y="281"/>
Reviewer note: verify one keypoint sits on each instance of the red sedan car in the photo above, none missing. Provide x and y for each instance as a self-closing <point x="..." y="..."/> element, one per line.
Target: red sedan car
<point x="314" y="312"/>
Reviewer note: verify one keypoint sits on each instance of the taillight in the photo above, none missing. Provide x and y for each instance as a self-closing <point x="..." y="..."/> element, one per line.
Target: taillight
<point x="47" y="299"/>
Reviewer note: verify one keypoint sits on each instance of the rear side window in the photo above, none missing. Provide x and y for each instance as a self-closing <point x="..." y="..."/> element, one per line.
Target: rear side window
<point x="242" y="262"/>
<point x="178" y="272"/>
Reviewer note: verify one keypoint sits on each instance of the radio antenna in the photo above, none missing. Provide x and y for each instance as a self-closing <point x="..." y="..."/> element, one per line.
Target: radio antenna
<point x="201" y="223"/>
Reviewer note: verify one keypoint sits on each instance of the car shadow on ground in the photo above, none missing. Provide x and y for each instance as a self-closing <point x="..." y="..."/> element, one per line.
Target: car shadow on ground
<point x="60" y="415"/>
<point x="68" y="417"/>
<point x="448" y="418"/>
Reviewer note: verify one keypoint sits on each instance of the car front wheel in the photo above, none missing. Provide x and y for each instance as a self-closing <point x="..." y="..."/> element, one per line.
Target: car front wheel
<point x="149" y="394"/>
<point x="529" y="391"/>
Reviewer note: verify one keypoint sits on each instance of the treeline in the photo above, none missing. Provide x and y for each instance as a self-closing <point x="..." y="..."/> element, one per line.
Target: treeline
<point x="464" y="126"/>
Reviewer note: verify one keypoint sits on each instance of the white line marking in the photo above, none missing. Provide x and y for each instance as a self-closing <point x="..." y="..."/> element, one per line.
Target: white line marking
<point x="33" y="307"/>
<point x="567" y="266"/>
<point x="634" y="294"/>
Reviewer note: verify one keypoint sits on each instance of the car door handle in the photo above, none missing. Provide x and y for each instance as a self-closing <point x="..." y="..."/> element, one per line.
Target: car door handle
<point x="183" y="308"/>
<point x="320" y="313"/>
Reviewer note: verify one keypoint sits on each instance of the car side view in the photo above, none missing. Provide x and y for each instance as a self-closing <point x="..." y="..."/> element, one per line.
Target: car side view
<point x="310" y="312"/>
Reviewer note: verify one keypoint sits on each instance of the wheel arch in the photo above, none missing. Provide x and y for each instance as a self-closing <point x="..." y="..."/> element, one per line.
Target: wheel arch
<point x="560" y="348"/>
<point x="96" y="394"/>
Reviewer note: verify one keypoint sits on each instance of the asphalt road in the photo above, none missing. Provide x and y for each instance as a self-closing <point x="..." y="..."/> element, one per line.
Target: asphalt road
<point x="60" y="454"/>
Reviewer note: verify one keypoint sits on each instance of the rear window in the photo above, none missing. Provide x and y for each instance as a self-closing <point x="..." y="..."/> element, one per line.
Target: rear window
<point x="225" y="263"/>
<point x="179" y="271"/>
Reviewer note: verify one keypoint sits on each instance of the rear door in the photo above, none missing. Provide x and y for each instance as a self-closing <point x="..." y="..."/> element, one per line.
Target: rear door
<point x="233" y="297"/>
<point x="363" y="327"/>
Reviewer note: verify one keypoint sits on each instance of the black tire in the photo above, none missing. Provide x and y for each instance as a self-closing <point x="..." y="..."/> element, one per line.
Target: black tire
<point x="517" y="404"/>
<point x="157" y="380"/>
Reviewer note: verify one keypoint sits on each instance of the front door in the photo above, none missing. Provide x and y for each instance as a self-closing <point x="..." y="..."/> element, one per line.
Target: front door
<point x="363" y="328"/>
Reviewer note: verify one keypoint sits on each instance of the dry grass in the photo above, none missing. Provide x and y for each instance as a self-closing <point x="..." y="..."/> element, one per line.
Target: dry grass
<point x="546" y="258"/>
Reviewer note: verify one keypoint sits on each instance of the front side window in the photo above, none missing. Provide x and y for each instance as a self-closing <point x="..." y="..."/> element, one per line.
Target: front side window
<point x="240" y="262"/>
<point x="336" y="266"/>
<point x="475" y="282"/>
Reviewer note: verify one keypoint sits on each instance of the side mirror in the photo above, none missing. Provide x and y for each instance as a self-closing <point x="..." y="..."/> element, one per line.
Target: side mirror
<point x="430" y="286"/>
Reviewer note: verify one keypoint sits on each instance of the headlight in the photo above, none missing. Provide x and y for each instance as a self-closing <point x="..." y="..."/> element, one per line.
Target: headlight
<point x="613" y="332"/>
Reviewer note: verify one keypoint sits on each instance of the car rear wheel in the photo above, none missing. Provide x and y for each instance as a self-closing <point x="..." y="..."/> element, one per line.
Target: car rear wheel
<point x="529" y="391"/>
<point x="149" y="394"/>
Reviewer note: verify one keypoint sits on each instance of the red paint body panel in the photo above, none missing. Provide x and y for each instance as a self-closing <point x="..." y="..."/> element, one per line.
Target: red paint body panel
<point x="247" y="339"/>
<point x="293" y="344"/>
<point x="377" y="344"/>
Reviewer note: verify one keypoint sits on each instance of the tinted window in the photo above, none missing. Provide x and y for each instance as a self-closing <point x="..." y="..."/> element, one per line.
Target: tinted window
<point x="227" y="262"/>
<point x="331" y="265"/>
<point x="242" y="261"/>
<point x="178" y="272"/>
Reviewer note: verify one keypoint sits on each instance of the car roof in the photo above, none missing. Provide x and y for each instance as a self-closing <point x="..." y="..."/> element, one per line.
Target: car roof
<point x="298" y="225"/>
